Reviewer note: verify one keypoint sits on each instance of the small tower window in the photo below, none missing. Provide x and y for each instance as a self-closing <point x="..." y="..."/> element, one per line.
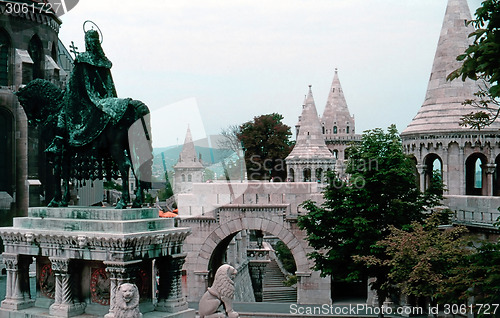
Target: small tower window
<point x="190" y="178"/>
<point x="334" y="129"/>
<point x="183" y="178"/>
<point x="347" y="129"/>
<point x="335" y="153"/>
<point x="323" y="130"/>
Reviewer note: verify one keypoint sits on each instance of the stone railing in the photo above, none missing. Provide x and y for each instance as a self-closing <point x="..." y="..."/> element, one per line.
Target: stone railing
<point x="470" y="210"/>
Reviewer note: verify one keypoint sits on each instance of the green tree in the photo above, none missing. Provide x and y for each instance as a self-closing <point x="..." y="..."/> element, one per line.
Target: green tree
<point x="356" y="214"/>
<point x="423" y="260"/>
<point x="481" y="62"/>
<point x="266" y="141"/>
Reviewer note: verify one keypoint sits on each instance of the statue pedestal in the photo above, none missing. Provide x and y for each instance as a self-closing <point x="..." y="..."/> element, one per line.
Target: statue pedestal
<point x="84" y="254"/>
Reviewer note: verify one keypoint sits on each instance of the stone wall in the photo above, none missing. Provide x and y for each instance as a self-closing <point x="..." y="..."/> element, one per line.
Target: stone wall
<point x="243" y="290"/>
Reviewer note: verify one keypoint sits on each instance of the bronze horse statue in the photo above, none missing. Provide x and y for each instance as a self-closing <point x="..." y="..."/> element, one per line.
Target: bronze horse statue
<point x="108" y="155"/>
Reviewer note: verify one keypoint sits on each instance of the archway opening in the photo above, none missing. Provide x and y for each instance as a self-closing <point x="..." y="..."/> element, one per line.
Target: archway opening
<point x="433" y="174"/>
<point x="266" y="266"/>
<point x="319" y="175"/>
<point x="475" y="175"/>
<point x="307" y="175"/>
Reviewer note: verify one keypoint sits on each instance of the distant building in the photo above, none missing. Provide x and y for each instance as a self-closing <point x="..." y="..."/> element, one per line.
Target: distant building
<point x="467" y="160"/>
<point x="310" y="158"/>
<point x="189" y="168"/>
<point x="322" y="142"/>
<point x="29" y="49"/>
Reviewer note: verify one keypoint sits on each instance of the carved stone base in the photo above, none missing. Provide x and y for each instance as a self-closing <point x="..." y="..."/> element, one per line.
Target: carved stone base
<point x="12" y="304"/>
<point x="67" y="310"/>
<point x="172" y="306"/>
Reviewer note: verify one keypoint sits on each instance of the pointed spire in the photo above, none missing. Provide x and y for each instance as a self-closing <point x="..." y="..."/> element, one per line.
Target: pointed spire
<point x="336" y="112"/>
<point x="188" y="157"/>
<point x="442" y="108"/>
<point x="310" y="141"/>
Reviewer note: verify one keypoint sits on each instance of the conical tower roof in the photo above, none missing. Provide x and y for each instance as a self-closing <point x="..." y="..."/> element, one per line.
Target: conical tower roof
<point x="310" y="141"/>
<point x="336" y="111"/>
<point x="336" y="104"/>
<point x="442" y="108"/>
<point x="187" y="157"/>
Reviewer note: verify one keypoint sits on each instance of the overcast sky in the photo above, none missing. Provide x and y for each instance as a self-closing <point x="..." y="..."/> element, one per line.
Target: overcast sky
<point x="212" y="64"/>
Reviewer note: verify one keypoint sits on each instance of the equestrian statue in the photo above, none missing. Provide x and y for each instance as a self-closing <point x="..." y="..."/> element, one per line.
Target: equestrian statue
<point x="92" y="133"/>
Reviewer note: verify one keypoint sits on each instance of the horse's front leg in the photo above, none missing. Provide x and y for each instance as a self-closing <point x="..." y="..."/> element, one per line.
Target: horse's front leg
<point x="139" y="195"/>
<point x="56" y="200"/>
<point x="124" y="166"/>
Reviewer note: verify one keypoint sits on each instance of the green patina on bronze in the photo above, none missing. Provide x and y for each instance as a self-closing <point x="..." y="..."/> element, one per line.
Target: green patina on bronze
<point x="87" y="125"/>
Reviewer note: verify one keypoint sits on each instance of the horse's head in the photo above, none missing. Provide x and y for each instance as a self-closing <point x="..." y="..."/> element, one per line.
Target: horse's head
<point x="40" y="99"/>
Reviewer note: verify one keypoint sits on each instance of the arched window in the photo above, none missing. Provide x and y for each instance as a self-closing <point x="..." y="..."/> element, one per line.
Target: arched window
<point x="347" y="130"/>
<point x="433" y="173"/>
<point x="334" y="129"/>
<point x="335" y="153"/>
<point x="319" y="175"/>
<point x="183" y="178"/>
<point x="4" y="58"/>
<point x="291" y="175"/>
<point x="190" y="178"/>
<point x="307" y="175"/>
<point x="323" y="130"/>
<point x="35" y="50"/>
<point x="474" y="174"/>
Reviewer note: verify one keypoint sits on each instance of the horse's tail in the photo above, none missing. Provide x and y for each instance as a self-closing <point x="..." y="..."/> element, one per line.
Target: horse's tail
<point x="140" y="144"/>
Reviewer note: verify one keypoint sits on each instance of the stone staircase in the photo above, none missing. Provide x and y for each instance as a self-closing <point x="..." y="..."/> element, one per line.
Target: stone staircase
<point x="273" y="289"/>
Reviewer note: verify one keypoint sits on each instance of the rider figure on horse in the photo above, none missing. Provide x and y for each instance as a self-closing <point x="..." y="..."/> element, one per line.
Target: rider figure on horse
<point x="91" y="100"/>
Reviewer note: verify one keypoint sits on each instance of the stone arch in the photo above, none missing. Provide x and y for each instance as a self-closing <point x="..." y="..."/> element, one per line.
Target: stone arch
<point x="433" y="165"/>
<point x="5" y="57"/>
<point x="7" y="153"/>
<point x="232" y="227"/>
<point x="475" y="174"/>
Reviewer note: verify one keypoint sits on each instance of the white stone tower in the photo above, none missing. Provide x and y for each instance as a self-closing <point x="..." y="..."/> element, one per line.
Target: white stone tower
<point x="189" y="168"/>
<point x="465" y="158"/>
<point x="310" y="158"/>
<point x="337" y="124"/>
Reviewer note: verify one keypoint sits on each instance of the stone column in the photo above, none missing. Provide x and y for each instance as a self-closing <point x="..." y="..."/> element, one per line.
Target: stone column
<point x="64" y="304"/>
<point x="489" y="168"/>
<point x="461" y="160"/>
<point x="118" y="274"/>
<point x="257" y="273"/>
<point x="170" y="298"/>
<point x="17" y="294"/>
<point x="421" y="172"/>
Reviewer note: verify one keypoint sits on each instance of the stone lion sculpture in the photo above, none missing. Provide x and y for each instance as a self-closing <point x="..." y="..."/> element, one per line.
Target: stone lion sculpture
<point x="221" y="292"/>
<point x="127" y="301"/>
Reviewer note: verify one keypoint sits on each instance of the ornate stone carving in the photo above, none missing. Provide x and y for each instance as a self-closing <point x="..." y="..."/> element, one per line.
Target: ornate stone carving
<point x="222" y="291"/>
<point x="127" y="301"/>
